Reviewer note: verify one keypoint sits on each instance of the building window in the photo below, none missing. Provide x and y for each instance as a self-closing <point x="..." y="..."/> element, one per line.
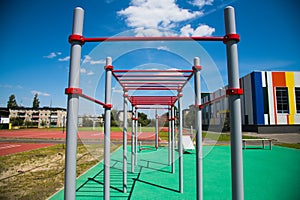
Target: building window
<point x="282" y="100"/>
<point x="297" y="94"/>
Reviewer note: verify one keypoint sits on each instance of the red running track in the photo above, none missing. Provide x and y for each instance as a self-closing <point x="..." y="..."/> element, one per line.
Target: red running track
<point x="11" y="148"/>
<point x="53" y="134"/>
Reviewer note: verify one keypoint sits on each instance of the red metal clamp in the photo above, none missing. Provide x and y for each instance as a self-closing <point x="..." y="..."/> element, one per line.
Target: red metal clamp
<point x="198" y="67"/>
<point x="200" y="106"/>
<point x="108" y="106"/>
<point x="234" y="91"/>
<point x="109" y="67"/>
<point x="73" y="91"/>
<point x="232" y="36"/>
<point x="76" y="38"/>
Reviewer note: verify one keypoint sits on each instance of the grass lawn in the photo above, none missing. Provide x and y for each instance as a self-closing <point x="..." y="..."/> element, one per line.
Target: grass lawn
<point x="39" y="173"/>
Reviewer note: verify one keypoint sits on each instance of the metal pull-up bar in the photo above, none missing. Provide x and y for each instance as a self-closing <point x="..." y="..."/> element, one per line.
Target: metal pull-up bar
<point x="82" y="39"/>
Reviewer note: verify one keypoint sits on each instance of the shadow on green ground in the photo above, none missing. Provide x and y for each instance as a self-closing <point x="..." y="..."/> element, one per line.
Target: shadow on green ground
<point x="268" y="174"/>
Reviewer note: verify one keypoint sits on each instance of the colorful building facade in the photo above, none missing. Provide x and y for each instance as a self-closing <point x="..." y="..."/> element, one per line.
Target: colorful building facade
<point x="270" y="103"/>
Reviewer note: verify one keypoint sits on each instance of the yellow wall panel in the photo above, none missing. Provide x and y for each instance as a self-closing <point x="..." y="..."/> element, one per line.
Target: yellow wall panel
<point x="290" y="84"/>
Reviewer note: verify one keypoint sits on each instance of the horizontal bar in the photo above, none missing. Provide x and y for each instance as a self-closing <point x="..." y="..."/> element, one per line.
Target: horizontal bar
<point x="213" y="100"/>
<point x="163" y="38"/>
<point x="153" y="83"/>
<point x="154" y="88"/>
<point x="140" y="79"/>
<point x="146" y="86"/>
<point x="152" y="103"/>
<point x="151" y="75"/>
<point x="154" y="108"/>
<point x="152" y="71"/>
<point x="152" y="100"/>
<point x="147" y="97"/>
<point x="96" y="101"/>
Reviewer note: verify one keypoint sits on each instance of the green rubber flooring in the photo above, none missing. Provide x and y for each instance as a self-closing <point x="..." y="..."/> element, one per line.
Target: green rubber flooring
<point x="268" y="174"/>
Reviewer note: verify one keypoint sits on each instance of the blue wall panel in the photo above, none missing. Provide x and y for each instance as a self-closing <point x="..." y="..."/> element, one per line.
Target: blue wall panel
<point x="257" y="98"/>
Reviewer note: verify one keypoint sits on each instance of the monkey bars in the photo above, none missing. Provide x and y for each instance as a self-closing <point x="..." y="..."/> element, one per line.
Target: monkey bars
<point x="152" y="100"/>
<point x="153" y="79"/>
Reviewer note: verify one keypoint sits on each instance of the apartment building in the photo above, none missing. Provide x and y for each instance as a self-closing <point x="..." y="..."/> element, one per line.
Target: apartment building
<point x="41" y="117"/>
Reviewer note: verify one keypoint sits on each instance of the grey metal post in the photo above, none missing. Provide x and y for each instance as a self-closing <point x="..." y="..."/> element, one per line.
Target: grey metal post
<point x="136" y="136"/>
<point x="198" y="127"/>
<point x="107" y="129"/>
<point x="132" y="143"/>
<point x="156" y="130"/>
<point x="125" y="108"/>
<point x="72" y="111"/>
<point x="180" y="153"/>
<point x="235" y="108"/>
<point x="169" y="137"/>
<point x="173" y="138"/>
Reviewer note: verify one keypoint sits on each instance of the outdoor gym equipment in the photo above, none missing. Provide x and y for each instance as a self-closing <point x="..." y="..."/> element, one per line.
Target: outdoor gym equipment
<point x="74" y="92"/>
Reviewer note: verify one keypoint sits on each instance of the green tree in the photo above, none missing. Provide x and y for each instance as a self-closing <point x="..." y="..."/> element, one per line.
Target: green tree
<point x="143" y="119"/>
<point x="86" y="121"/>
<point x="113" y="118"/>
<point x="12" y="102"/>
<point x="17" y="121"/>
<point x="36" y="102"/>
<point x="189" y="119"/>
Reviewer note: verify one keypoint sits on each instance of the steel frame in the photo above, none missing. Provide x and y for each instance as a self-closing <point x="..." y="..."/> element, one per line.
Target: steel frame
<point x="130" y="82"/>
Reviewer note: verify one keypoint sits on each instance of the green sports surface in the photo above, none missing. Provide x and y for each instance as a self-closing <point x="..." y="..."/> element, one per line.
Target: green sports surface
<point x="268" y="174"/>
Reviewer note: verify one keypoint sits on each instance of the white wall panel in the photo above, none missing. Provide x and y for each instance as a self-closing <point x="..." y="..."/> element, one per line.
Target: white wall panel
<point x="282" y="119"/>
<point x="271" y="98"/>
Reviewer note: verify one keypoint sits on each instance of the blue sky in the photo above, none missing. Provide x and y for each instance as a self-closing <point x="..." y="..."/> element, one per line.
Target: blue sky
<point x="35" y="50"/>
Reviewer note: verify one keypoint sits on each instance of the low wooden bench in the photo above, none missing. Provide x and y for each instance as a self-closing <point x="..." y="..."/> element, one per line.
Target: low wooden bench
<point x="258" y="139"/>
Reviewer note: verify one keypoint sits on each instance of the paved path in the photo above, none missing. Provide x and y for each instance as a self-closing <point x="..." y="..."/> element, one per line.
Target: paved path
<point x="279" y="137"/>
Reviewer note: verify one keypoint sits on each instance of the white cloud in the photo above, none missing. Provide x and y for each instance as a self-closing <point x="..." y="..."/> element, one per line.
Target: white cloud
<point x="67" y="58"/>
<point x="82" y="70"/>
<point x="52" y="55"/>
<point x="155" y="14"/>
<point x="202" y="3"/>
<point x="40" y="93"/>
<point x="202" y="30"/>
<point x="117" y="90"/>
<point x="88" y="59"/>
<point x="90" y="73"/>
